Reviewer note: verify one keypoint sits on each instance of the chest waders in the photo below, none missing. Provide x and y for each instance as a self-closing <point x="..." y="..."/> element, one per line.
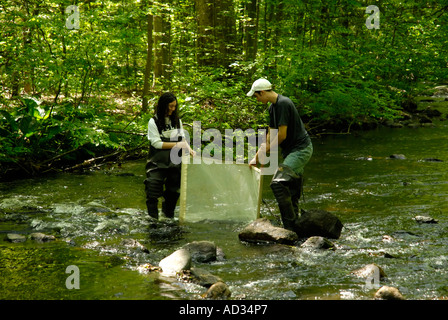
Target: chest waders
<point x="162" y="180"/>
<point x="287" y="188"/>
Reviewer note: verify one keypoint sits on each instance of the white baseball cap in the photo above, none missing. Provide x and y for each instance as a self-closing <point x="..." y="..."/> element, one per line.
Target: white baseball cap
<point x="259" y="85"/>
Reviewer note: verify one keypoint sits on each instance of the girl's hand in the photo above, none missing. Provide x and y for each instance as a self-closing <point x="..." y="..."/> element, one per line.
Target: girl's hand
<point x="182" y="145"/>
<point x="253" y="162"/>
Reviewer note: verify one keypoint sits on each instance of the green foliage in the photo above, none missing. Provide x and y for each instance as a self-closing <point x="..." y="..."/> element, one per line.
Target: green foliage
<point x="35" y="136"/>
<point x="319" y="53"/>
<point x="327" y="85"/>
<point x="218" y="101"/>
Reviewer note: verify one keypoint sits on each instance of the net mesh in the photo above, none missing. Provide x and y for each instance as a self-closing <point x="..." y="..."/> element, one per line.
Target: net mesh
<point x="219" y="192"/>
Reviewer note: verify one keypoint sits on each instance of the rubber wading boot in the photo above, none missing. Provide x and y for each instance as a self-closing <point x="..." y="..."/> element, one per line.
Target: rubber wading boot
<point x="152" y="205"/>
<point x="283" y="182"/>
<point x="169" y="203"/>
<point x="296" y="190"/>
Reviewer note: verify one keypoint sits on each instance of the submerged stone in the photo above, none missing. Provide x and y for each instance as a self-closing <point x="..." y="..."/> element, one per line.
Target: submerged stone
<point x="397" y="156"/>
<point x="132" y="243"/>
<point x="424" y="219"/>
<point x="15" y="237"/>
<point x="166" y="230"/>
<point x="370" y="270"/>
<point x="218" y="291"/>
<point x="387" y="238"/>
<point x="202" y="251"/>
<point x="261" y="230"/>
<point x="199" y="276"/>
<point x="42" y="237"/>
<point x="432" y="160"/>
<point x="388" y="293"/>
<point x="148" y="268"/>
<point x="317" y="243"/>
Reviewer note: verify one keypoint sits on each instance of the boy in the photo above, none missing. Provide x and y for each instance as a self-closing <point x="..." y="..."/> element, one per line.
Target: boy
<point x="296" y="147"/>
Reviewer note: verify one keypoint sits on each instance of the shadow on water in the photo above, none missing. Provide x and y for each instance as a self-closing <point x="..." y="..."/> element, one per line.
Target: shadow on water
<point x="351" y="176"/>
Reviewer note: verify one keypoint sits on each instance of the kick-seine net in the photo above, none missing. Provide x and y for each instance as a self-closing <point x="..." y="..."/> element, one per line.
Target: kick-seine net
<point x="219" y="192"/>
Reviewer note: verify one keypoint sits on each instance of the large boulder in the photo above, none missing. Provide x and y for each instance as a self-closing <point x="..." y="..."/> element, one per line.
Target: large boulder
<point x="262" y="230"/>
<point x="316" y="222"/>
<point x="178" y="261"/>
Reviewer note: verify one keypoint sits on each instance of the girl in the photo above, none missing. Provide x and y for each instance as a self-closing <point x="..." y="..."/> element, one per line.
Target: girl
<point x="165" y="132"/>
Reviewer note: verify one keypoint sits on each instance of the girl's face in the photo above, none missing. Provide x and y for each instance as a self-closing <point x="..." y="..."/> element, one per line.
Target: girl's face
<point x="171" y="107"/>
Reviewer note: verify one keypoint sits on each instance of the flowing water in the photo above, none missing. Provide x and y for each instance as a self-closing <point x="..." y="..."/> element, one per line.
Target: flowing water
<point x="349" y="175"/>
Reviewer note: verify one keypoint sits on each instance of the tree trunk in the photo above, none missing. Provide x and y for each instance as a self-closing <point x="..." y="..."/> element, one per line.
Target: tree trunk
<point x="225" y="32"/>
<point x="158" y="61"/>
<point x="167" y="60"/>
<point x="148" y="68"/>
<point x="216" y="32"/>
<point x="162" y="44"/>
<point x="206" y="39"/>
<point x="251" y="31"/>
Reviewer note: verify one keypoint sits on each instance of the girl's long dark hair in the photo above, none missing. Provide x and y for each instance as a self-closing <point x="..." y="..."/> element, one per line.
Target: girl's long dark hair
<point x="161" y="108"/>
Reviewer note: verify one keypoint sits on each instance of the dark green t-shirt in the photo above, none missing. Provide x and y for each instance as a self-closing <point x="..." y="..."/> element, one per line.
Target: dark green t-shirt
<point x="284" y="113"/>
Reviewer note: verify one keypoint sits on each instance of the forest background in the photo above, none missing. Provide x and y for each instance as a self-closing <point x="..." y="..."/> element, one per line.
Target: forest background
<point x="79" y="79"/>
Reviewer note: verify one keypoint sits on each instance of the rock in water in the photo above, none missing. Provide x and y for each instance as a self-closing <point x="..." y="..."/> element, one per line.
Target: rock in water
<point x="424" y="219"/>
<point x="176" y="262"/>
<point x="317" y="243"/>
<point x="432" y="160"/>
<point x="261" y="230"/>
<point x="201" y="277"/>
<point x="132" y="243"/>
<point x="317" y="222"/>
<point x="201" y="251"/>
<point x="218" y="291"/>
<point x="370" y="270"/>
<point x="147" y="268"/>
<point x="15" y="237"/>
<point x="388" y="293"/>
<point x="397" y="156"/>
<point x="42" y="237"/>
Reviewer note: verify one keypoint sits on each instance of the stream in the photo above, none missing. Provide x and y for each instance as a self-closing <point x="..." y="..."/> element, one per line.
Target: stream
<point x="350" y="176"/>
